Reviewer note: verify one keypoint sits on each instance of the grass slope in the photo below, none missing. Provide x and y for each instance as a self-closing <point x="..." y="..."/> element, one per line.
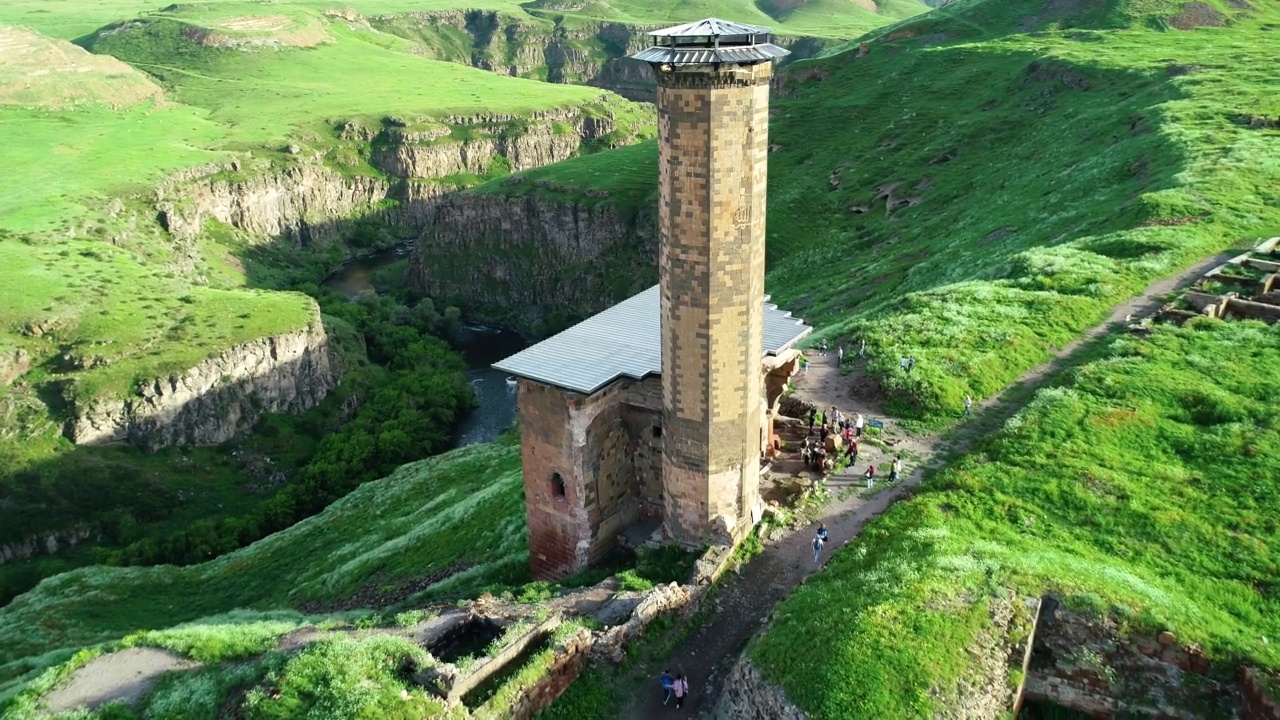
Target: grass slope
<point x="460" y="514"/>
<point x="70" y="19"/>
<point x="1040" y="169"/>
<point x="1145" y="487"/>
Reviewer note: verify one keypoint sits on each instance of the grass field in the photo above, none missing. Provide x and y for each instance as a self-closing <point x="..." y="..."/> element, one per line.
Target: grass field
<point x="1144" y="487"/>
<point x="459" y="514"/>
<point x="70" y="19"/>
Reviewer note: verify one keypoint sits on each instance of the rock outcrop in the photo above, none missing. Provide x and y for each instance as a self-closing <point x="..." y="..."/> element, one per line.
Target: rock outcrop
<point x="534" y="253"/>
<point x="313" y="201"/>
<point x="13" y="364"/>
<point x="218" y="398"/>
<point x="583" y="53"/>
<point x="298" y="203"/>
<point x="748" y="695"/>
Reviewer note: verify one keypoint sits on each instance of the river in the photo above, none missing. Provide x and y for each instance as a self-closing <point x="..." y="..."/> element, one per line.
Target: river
<point x="481" y="345"/>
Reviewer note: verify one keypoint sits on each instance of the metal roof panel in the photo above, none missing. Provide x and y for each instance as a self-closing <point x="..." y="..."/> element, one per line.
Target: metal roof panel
<point x="711" y="27"/>
<point x="624" y="341"/>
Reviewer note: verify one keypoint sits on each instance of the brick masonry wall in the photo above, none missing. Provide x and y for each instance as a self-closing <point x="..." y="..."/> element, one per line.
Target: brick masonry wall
<point x="556" y="525"/>
<point x="713" y="137"/>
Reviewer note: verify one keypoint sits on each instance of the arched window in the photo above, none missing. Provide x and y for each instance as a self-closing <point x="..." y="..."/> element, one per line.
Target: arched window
<point x="557" y="486"/>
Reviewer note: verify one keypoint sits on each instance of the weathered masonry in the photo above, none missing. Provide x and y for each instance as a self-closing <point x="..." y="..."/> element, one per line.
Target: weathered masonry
<point x="659" y="409"/>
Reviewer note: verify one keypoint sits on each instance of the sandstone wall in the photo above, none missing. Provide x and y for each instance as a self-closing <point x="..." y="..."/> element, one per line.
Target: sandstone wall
<point x="218" y="398"/>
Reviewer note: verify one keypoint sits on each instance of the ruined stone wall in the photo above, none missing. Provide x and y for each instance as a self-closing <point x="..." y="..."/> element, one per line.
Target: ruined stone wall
<point x="570" y="660"/>
<point x="1080" y="662"/>
<point x="556" y="524"/>
<point x="642" y="415"/>
<point x="713" y="135"/>
<point x="606" y="459"/>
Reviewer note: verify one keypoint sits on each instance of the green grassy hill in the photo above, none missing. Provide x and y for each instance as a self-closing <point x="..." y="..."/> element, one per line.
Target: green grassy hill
<point x="984" y="182"/>
<point x="96" y="297"/>
<point x="457" y="518"/>
<point x="70" y="19"/>
<point x="1144" y="489"/>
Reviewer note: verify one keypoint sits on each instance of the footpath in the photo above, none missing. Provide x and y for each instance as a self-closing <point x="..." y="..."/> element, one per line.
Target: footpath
<point x="743" y="601"/>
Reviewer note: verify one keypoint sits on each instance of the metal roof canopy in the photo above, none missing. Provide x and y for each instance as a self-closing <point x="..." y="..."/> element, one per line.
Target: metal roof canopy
<point x="624" y="341"/>
<point x="710" y="42"/>
<point x="711" y="27"/>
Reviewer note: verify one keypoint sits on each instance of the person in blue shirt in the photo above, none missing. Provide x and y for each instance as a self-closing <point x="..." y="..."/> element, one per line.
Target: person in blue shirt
<point x="819" y="539"/>
<point x="668" y="682"/>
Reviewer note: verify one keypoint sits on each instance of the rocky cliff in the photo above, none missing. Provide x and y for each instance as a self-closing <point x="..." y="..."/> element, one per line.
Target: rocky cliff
<point x="555" y="49"/>
<point x="218" y="398"/>
<point x="534" y="253"/>
<point x="313" y="197"/>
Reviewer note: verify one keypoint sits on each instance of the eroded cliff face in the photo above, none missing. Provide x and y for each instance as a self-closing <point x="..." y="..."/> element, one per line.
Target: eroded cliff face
<point x="533" y="253"/>
<point x="578" y="52"/>
<point x="314" y="198"/>
<point x="218" y="398"/>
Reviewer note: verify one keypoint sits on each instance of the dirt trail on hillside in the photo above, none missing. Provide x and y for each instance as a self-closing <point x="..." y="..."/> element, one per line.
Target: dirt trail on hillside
<point x="125" y="675"/>
<point x="744" y="602"/>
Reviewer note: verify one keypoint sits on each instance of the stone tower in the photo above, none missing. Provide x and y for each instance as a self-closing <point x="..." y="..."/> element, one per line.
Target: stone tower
<point x="713" y="121"/>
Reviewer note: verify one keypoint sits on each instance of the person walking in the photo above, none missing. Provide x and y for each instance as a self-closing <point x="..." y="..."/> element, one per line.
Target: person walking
<point x="813" y="415"/>
<point x="822" y="347"/>
<point x="862" y="348"/>
<point x="668" y="685"/>
<point x="858" y="422"/>
<point x="911" y="363"/>
<point x="968" y="406"/>
<point x="839" y="355"/>
<point x="895" y="470"/>
<point x="818" y="542"/>
<point x="870" y="475"/>
<point x="681" y="689"/>
<point x="902" y="362"/>
<point x="853" y="453"/>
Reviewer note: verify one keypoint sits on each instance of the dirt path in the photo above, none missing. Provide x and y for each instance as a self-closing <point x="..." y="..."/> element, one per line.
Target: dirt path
<point x="125" y="675"/>
<point x="743" y="603"/>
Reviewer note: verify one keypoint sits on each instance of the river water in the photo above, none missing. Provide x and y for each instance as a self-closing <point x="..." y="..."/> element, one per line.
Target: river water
<point x="481" y="345"/>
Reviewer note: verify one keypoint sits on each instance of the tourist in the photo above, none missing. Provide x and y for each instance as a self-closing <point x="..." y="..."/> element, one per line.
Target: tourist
<point x="857" y="424"/>
<point x="871" y="475"/>
<point x="818" y="542"/>
<point x="902" y="362"/>
<point x="911" y="363"/>
<point x="895" y="469"/>
<point x="813" y="415"/>
<point x="836" y="417"/>
<point x="848" y="433"/>
<point x="822" y="436"/>
<point x="862" y="347"/>
<point x="822" y="419"/>
<point x="853" y="453"/>
<point x="681" y="689"/>
<point x="668" y="684"/>
<point x="839" y="355"/>
<point x="968" y="406"/>
<point x="806" y="453"/>
<point x="822" y="347"/>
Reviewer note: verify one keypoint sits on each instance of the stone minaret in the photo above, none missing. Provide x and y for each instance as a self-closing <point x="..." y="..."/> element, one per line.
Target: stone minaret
<point x="713" y="126"/>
